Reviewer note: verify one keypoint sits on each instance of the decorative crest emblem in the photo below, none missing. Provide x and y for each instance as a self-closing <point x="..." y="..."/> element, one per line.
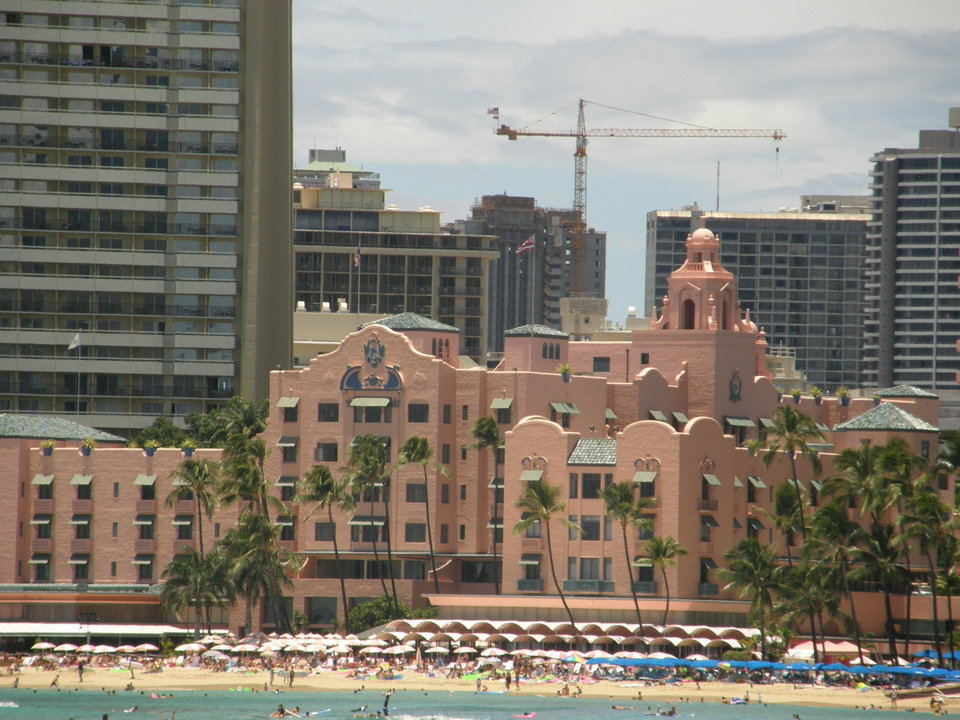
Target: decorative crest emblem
<point x="735" y="386"/>
<point x="373" y="351"/>
<point x="707" y="465"/>
<point x="647" y="464"/>
<point x="534" y="462"/>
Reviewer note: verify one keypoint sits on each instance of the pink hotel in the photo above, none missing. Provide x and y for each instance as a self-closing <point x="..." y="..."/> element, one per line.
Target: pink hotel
<point x="670" y="410"/>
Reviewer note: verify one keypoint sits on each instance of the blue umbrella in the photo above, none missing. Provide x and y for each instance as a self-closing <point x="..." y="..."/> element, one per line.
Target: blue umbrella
<point x="704" y="663"/>
<point x="926" y="653"/>
<point x="858" y="670"/>
<point x="777" y="666"/>
<point x="758" y="665"/>
<point x="835" y="667"/>
<point x="801" y="666"/>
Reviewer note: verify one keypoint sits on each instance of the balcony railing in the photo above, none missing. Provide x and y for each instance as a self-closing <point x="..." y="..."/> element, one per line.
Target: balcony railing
<point x="529" y="585"/>
<point x="587" y="586"/>
<point x="645" y="587"/>
<point x="708" y="504"/>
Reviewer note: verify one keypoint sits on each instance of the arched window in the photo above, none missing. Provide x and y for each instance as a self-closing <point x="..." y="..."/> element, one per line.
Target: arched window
<point x="446" y="349"/>
<point x="688" y="313"/>
<point x="543" y="350"/>
<point x="433" y="345"/>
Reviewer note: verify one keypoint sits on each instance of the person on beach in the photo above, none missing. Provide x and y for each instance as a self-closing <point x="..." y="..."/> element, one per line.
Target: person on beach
<point x="80" y="671"/>
<point x="55" y="682"/>
<point x="386" y="702"/>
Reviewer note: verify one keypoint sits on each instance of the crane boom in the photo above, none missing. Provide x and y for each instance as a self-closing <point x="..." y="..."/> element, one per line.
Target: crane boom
<point x="577" y="241"/>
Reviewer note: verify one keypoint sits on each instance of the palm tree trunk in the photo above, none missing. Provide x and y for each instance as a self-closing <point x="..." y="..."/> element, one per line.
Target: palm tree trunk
<point x="199" y="525"/>
<point x="666" y="590"/>
<point x="626" y="556"/>
<point x="803" y="535"/>
<point x="496" y="513"/>
<point x="936" y="613"/>
<point x="888" y="610"/>
<point x="376" y="552"/>
<point x="343" y="582"/>
<point x="393" y="583"/>
<point x="853" y="610"/>
<point x="556" y="583"/>
<point x="426" y="510"/>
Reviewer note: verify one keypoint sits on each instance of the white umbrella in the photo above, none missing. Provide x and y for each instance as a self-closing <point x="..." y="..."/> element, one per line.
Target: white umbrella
<point x="103" y="649"/>
<point x="662" y="656"/>
<point x="398" y="650"/>
<point x="128" y="649"/>
<point x="493" y="652"/>
<point x="369" y="651"/>
<point x="437" y="650"/>
<point x="146" y="647"/>
<point x="376" y="643"/>
<point x="244" y="647"/>
<point x="42" y="646"/>
<point x="696" y="656"/>
<point x="341" y="650"/>
<point x="190" y="648"/>
<point x="267" y="652"/>
<point x="294" y="647"/>
<point x="87" y="648"/>
<point x="212" y="654"/>
<point x="222" y="647"/>
<point x="66" y="647"/>
<point x="597" y="654"/>
<point x="464" y="649"/>
<point x="314" y="648"/>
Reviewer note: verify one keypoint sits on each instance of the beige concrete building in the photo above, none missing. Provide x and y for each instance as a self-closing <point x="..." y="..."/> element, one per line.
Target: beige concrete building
<point x="144" y="210"/>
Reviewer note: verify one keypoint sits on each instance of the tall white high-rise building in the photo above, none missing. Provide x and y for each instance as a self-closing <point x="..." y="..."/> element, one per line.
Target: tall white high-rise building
<point x="144" y="205"/>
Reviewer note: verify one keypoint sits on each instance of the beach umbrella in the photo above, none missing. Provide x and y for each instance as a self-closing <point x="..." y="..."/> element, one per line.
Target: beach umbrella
<point x="375" y="643"/>
<point x="267" y="652"/>
<point x="662" y="656"/>
<point x="222" y="647"/>
<point x="146" y="647"/>
<point x="128" y="649"/>
<point x="212" y="654"/>
<point x="597" y="654"/>
<point x="464" y="649"/>
<point x="42" y="646"/>
<point x="697" y="656"/>
<point x="66" y="647"/>
<point x="437" y="650"/>
<point x="521" y="652"/>
<point x="103" y="649"/>
<point x="800" y="667"/>
<point x="858" y="670"/>
<point x="835" y="667"/>
<point x="369" y="651"/>
<point x="243" y="647"/>
<point x="293" y="647"/>
<point x="705" y="664"/>
<point x="87" y="648"/>
<point x="341" y="649"/>
<point x="190" y="648"/>
<point x="314" y="648"/>
<point x="398" y="650"/>
<point x="493" y="652"/>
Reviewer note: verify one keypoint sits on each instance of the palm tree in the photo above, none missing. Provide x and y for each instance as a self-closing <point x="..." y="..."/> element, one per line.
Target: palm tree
<point x="877" y="557"/>
<point x="833" y="539"/>
<point x="859" y="477"/>
<point x="540" y="503"/>
<point x="791" y="434"/>
<point x="663" y="552"/>
<point x="197" y="480"/>
<point x="417" y="450"/>
<point x="319" y="486"/>
<point x="785" y="516"/>
<point x="752" y="574"/>
<point x="193" y="581"/>
<point x="628" y="511"/>
<point x="366" y="471"/>
<point x="486" y="435"/>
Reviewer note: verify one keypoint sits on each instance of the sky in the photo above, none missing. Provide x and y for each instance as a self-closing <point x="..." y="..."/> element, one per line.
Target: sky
<point x="404" y="87"/>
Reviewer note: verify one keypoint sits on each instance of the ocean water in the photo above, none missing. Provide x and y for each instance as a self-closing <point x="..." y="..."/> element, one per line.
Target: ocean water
<point x="404" y="705"/>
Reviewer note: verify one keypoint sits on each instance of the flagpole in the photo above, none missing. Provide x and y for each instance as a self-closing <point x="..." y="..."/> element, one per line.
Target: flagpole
<point x="356" y="298"/>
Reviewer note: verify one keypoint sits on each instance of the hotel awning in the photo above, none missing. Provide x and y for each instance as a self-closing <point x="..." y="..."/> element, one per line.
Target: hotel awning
<point x="755" y="524"/>
<point x="822" y="428"/>
<point x="642" y="562"/>
<point x="531" y="475"/>
<point x="565" y="408"/>
<point x="288" y="402"/>
<point x="501" y="403"/>
<point x="145" y="480"/>
<point x="143" y="520"/>
<point x="767" y="422"/>
<point x="39" y="560"/>
<point x="796" y="483"/>
<point x="680" y="417"/>
<point x="288" y="442"/>
<point x="495" y="482"/>
<point x="81" y="480"/>
<point x="495" y="523"/>
<point x="529" y="559"/>
<point x="284" y="521"/>
<point x="708" y="521"/>
<point x="142" y="559"/>
<point x="657" y="415"/>
<point x="41" y="480"/>
<point x="644" y="476"/>
<point x="711" y="479"/>
<point x="182" y="520"/>
<point x="708" y="563"/>
<point x="41" y="519"/>
<point x="367" y="520"/>
<point x="79" y="560"/>
<point x="286" y="481"/>
<point x="756" y="482"/>
<point x="369" y="402"/>
<point x="80" y="520"/>
<point x="817" y="485"/>
<point x="740" y="421"/>
<point x="737" y="482"/>
<point x="609" y="414"/>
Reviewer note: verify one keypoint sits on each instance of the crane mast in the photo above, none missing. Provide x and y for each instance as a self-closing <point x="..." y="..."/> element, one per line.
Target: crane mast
<point x="578" y="227"/>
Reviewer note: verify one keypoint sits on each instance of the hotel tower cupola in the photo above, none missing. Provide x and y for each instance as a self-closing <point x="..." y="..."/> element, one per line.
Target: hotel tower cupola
<point x="701" y="294"/>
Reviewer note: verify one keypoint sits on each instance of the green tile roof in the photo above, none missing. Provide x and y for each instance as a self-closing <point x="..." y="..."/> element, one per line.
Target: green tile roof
<point x="412" y="321"/>
<point x="886" y="416"/>
<point x="905" y="391"/>
<point x="535" y="331"/>
<point x="594" y="451"/>
<point x="46" y="427"/>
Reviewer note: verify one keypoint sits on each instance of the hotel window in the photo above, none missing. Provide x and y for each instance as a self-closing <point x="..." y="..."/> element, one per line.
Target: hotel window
<point x="326" y="452"/>
<point x="574" y="486"/>
<point x="41" y="568"/>
<point x="446" y="414"/>
<point x="590" y="486"/>
<point x="530" y="564"/>
<point x="144" y="525"/>
<point x="591" y="527"/>
<point x="418" y="413"/>
<point x="184" y="525"/>
<point x="601" y="364"/>
<point x="445" y="453"/>
<point x="463" y="493"/>
<point x="415" y="533"/>
<point x="444" y="533"/>
<point x="144" y="565"/>
<point x="707" y="523"/>
<point x="81" y="567"/>
<point x="463" y="532"/>
<point x="42" y="523"/>
<point x="81" y="527"/>
<point x="589" y="568"/>
<point x="645" y="530"/>
<point x="328" y="412"/>
<point x="416" y="493"/>
<point x="445" y="494"/>
<point x="288" y="528"/>
<point x="324" y="531"/>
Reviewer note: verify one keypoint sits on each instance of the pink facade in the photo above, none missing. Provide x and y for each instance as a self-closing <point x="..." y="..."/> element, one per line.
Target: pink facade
<point x="669" y="410"/>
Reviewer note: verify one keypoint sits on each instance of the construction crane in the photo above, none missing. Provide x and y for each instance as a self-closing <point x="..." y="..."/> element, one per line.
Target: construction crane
<point x="577" y="241"/>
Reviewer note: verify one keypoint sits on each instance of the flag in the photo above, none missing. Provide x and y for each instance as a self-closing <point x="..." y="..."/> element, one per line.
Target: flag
<point x="493" y="110"/>
<point x="356" y="258"/>
<point x="75" y="343"/>
<point x="528" y="244"/>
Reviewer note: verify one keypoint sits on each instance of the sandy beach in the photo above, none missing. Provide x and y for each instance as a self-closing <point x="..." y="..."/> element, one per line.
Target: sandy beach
<point x="176" y="679"/>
